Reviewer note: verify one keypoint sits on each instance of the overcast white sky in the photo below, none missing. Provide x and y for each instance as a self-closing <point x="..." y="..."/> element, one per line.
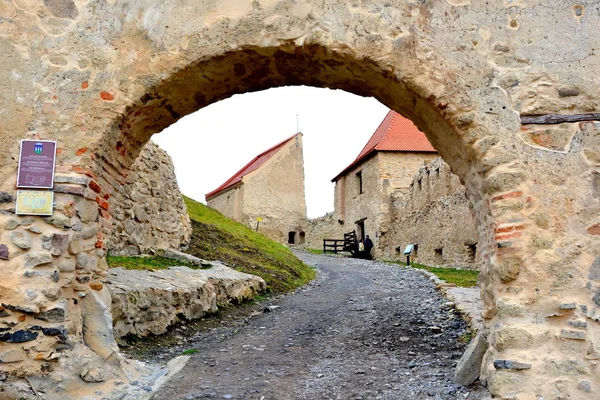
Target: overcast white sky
<point x="212" y="144"/>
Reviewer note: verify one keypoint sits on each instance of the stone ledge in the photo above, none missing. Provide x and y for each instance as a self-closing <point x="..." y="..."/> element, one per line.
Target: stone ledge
<point x="148" y="302"/>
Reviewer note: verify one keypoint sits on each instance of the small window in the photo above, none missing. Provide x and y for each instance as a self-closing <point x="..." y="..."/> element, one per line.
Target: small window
<point x="471" y="252"/>
<point x="292" y="237"/>
<point x="419" y="184"/>
<point x="360" y="182"/>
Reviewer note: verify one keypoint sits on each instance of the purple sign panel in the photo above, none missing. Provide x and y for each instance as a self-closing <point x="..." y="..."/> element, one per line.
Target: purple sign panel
<point x="36" y="164"/>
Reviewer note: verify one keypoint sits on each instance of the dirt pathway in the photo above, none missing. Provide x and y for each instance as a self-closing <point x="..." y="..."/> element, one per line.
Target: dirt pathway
<point x="362" y="330"/>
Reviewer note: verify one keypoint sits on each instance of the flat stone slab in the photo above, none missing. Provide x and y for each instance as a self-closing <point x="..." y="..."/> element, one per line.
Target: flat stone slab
<point x="148" y="302"/>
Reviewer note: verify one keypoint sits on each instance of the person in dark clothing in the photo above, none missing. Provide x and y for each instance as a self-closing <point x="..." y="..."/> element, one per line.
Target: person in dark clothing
<point x="368" y="246"/>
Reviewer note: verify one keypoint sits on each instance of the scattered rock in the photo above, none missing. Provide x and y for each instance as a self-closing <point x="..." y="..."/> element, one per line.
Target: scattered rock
<point x="52" y="293"/>
<point x="27" y="221"/>
<point x="569" y="306"/>
<point x="6" y="198"/>
<point x="4" y="253"/>
<point x="53" y="315"/>
<point x="34" y="229"/>
<point x="585" y="386"/>
<point x="19" y="336"/>
<point x="59" y="221"/>
<point x="36" y="259"/>
<point x="11" y="224"/>
<point x="568" y="92"/>
<point x="509" y="364"/>
<point x="87" y="210"/>
<point x="94" y="374"/>
<point x="468" y="368"/>
<point x="573" y="335"/>
<point x="66" y="265"/>
<point x="60" y="330"/>
<point x="89" y="232"/>
<point x="179" y="256"/>
<point x="12" y="355"/>
<point x="76" y="244"/>
<point x="58" y="244"/>
<point x="21" y="239"/>
<point x="594" y="273"/>
<point x="82" y="261"/>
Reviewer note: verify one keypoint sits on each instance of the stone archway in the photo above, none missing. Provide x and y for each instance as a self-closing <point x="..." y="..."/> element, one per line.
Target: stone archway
<point x="463" y="73"/>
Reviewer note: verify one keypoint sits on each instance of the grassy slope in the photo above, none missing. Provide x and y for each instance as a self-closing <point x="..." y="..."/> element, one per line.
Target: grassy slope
<point x="461" y="277"/>
<point x="216" y="237"/>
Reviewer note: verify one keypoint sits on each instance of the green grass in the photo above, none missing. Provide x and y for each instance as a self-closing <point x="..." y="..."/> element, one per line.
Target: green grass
<point x="461" y="277"/>
<point x="315" y="251"/>
<point x="190" y="352"/>
<point x="145" y="263"/>
<point x="216" y="237"/>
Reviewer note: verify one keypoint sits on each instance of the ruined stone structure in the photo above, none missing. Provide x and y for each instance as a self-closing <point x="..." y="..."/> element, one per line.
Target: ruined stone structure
<point x="148" y="211"/>
<point x="101" y="78"/>
<point x="435" y="215"/>
<point x="268" y="192"/>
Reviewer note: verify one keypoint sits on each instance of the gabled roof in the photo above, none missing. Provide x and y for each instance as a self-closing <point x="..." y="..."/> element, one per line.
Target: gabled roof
<point x="251" y="166"/>
<point x="395" y="133"/>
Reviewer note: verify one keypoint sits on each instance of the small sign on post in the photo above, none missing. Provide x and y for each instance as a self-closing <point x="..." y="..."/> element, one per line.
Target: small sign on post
<point x="258" y="222"/>
<point x="407" y="251"/>
<point x="36" y="164"/>
<point x="34" y="202"/>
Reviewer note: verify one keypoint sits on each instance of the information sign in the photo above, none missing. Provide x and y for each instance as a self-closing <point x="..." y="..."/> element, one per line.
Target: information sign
<point x="34" y="202"/>
<point x="36" y="164"/>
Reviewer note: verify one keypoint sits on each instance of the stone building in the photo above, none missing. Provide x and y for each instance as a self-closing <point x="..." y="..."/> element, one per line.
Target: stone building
<point x="268" y="192"/>
<point x="386" y="164"/>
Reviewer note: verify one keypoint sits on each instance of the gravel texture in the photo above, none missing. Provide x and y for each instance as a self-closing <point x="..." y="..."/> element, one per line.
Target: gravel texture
<point x="361" y="330"/>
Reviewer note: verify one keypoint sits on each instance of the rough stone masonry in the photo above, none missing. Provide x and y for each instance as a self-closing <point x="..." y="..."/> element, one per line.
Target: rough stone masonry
<point x="102" y="77"/>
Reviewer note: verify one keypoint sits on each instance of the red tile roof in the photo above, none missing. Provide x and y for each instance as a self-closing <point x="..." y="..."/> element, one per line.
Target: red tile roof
<point x="251" y="166"/>
<point x="395" y="133"/>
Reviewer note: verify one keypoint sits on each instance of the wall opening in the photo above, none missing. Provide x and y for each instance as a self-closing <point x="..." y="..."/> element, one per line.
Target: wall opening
<point x="360" y="230"/>
<point x="359" y="180"/>
<point x="471" y="252"/>
<point x="292" y="237"/>
<point x="438" y="256"/>
<point x="302" y="237"/>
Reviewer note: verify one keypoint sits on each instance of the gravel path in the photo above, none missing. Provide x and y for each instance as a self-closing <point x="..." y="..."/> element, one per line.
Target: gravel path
<point x="362" y="330"/>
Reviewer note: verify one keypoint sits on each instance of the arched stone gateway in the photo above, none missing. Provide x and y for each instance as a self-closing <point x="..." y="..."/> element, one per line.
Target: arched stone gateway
<point x="102" y="77"/>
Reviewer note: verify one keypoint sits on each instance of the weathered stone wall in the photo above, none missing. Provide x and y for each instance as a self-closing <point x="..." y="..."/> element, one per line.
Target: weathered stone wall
<point x="433" y="213"/>
<point x="325" y="227"/>
<point x="396" y="172"/>
<point x="148" y="212"/>
<point x="102" y="78"/>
